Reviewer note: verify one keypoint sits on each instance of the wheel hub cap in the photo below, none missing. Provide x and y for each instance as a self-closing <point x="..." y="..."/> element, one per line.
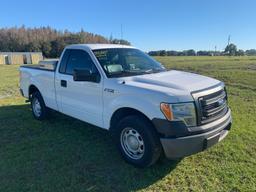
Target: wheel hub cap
<point x="132" y="143"/>
<point x="36" y="107"/>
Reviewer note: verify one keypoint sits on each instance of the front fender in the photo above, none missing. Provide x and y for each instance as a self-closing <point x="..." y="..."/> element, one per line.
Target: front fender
<point x="149" y="108"/>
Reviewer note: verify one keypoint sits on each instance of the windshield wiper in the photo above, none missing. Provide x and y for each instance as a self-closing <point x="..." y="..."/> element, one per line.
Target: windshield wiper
<point x="133" y="73"/>
<point x="154" y="70"/>
<point x="125" y="73"/>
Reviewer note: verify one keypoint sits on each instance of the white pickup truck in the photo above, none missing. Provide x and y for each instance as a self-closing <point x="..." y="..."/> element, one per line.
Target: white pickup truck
<point x="148" y="109"/>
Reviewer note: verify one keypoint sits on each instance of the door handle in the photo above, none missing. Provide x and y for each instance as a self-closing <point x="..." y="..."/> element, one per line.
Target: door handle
<point x="63" y="83"/>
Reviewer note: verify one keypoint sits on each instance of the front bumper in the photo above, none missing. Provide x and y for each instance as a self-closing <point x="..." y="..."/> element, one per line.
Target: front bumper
<point x="194" y="142"/>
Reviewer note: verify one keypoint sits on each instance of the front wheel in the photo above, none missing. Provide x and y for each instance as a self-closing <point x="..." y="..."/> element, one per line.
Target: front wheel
<point x="137" y="141"/>
<point x="38" y="107"/>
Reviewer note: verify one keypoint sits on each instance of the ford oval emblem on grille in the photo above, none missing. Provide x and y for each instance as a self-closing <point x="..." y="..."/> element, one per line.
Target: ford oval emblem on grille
<point x="221" y="102"/>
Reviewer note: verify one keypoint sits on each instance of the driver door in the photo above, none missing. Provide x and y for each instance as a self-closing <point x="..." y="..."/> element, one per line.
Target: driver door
<point x="79" y="99"/>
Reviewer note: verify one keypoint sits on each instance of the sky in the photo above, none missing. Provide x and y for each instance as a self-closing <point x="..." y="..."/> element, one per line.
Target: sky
<point x="147" y="24"/>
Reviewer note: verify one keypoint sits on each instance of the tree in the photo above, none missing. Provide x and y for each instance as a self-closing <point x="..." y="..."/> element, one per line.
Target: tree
<point x="231" y="49"/>
<point x="154" y="53"/>
<point x="191" y="52"/>
<point x="57" y="47"/>
<point x="120" y="41"/>
<point x="240" y="52"/>
<point x="171" y="53"/>
<point x="46" y="48"/>
<point x="32" y="47"/>
<point x="162" y="53"/>
<point x="203" y="53"/>
<point x="250" y="52"/>
<point x="46" y="39"/>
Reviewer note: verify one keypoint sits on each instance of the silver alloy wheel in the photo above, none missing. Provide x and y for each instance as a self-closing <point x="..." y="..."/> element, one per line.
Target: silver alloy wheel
<point x="132" y="143"/>
<point x="36" y="107"/>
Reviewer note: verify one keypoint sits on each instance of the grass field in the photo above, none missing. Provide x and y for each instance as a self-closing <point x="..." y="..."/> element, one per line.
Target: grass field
<point x="64" y="154"/>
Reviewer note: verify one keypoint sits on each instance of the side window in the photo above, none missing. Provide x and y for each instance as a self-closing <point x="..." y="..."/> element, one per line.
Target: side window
<point x="63" y="63"/>
<point x="79" y="59"/>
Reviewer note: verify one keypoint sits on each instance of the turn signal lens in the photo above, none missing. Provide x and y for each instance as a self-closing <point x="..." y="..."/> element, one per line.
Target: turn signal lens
<point x="180" y="112"/>
<point x="166" y="110"/>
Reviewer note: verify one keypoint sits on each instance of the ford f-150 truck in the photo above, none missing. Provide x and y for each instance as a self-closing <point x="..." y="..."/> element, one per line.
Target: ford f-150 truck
<point x="148" y="110"/>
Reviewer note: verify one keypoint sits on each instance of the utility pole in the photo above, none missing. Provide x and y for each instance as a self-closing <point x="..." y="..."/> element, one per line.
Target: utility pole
<point x="229" y="37"/>
<point x="215" y="50"/>
<point x="111" y="37"/>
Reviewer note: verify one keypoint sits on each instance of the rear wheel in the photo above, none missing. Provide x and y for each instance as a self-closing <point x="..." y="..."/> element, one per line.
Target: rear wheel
<point x="39" y="110"/>
<point x="137" y="141"/>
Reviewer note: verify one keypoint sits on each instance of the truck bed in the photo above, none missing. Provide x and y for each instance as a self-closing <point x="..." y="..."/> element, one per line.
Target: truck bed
<point x="47" y="65"/>
<point x="39" y="67"/>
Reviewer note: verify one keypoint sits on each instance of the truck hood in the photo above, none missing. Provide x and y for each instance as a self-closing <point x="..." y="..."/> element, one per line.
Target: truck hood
<point x="175" y="80"/>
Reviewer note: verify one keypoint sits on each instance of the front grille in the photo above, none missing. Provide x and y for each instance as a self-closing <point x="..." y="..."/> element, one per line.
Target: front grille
<point x="212" y="106"/>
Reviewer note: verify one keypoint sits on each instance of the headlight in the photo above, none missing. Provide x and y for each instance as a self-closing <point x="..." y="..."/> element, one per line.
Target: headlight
<point x="180" y="111"/>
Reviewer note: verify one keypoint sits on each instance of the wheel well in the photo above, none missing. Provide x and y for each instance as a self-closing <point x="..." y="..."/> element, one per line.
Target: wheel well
<point x="32" y="89"/>
<point x="124" y="112"/>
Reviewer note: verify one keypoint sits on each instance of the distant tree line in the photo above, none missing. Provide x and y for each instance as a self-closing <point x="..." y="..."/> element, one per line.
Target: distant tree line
<point x="230" y="50"/>
<point x="47" y="40"/>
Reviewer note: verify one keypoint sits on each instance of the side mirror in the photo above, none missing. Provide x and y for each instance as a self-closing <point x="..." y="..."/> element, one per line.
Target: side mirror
<point x="85" y="75"/>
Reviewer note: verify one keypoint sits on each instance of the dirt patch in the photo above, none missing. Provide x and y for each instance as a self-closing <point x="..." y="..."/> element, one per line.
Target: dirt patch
<point x="252" y="67"/>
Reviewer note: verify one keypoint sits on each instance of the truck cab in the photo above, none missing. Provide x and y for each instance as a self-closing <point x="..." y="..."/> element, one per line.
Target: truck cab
<point x="148" y="109"/>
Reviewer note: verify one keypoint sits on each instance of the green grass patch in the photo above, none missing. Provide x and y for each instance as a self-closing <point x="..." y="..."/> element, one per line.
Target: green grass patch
<point x="64" y="154"/>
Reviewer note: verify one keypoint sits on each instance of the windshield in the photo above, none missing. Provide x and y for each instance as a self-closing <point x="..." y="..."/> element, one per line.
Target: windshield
<point x="121" y="62"/>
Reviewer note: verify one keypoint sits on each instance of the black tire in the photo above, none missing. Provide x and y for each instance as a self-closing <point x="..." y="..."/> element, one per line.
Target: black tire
<point x="152" y="148"/>
<point x="44" y="112"/>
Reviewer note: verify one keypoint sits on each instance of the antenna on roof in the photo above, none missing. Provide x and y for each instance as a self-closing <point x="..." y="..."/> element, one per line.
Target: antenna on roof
<point x="121" y="34"/>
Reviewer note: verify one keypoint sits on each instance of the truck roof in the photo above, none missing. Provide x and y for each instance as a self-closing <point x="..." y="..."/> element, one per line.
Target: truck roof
<point x="98" y="46"/>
